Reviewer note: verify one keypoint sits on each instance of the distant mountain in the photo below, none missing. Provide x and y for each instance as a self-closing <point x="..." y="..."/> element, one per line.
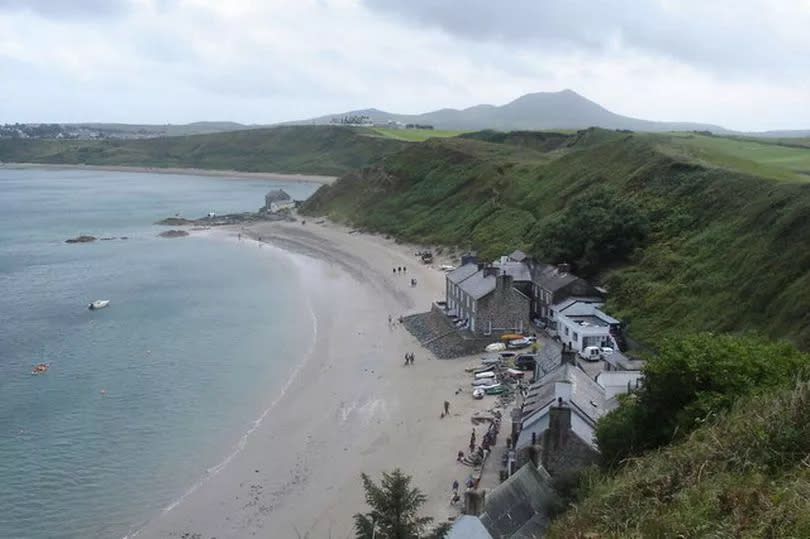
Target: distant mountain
<point x="542" y="110"/>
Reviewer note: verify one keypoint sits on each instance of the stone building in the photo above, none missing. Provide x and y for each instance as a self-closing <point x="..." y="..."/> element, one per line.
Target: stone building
<point x="487" y="299"/>
<point x="277" y="200"/>
<point x="554" y="284"/>
<point x="558" y="419"/>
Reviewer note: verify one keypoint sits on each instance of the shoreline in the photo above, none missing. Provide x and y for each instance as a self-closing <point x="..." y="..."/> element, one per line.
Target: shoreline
<point x="351" y="408"/>
<point x="283" y="176"/>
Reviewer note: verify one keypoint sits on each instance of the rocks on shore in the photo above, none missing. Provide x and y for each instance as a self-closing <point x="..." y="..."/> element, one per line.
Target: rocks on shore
<point x="229" y="219"/>
<point x="173" y="234"/>
<point x="176" y="221"/>
<point x="81" y="239"/>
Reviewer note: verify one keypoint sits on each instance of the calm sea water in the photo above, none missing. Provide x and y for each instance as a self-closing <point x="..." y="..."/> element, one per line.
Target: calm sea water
<point x="142" y="397"/>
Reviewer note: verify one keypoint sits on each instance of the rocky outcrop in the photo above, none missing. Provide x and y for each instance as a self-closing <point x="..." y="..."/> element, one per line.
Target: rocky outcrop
<point x="176" y="221"/>
<point x="173" y="234"/>
<point x="81" y="239"/>
<point x="229" y="219"/>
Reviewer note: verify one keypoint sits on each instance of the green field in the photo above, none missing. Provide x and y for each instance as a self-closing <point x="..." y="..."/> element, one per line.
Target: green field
<point x="329" y="150"/>
<point x="416" y="135"/>
<point x="767" y="158"/>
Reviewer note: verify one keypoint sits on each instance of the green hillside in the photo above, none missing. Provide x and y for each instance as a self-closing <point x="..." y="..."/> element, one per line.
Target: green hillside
<point x="710" y="247"/>
<point x="743" y="475"/>
<point x="416" y="135"/>
<point x="313" y="150"/>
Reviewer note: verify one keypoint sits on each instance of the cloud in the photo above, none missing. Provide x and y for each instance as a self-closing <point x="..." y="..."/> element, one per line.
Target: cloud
<point x="724" y="35"/>
<point x="69" y="9"/>
<point x="161" y="61"/>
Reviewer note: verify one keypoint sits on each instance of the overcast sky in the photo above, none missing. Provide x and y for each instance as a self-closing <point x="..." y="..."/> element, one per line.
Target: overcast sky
<point x="741" y="64"/>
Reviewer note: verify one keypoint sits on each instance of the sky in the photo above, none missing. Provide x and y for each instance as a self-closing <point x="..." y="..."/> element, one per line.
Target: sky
<point x="742" y="65"/>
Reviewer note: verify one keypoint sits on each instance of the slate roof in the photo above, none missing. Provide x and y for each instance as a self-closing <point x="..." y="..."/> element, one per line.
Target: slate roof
<point x="519" y="507"/>
<point x="584" y="393"/>
<point x="277" y="195"/>
<point x="477" y="285"/>
<point x="550" y="278"/>
<point x="579" y="308"/>
<point x="518" y="255"/>
<point x="468" y="527"/>
<point x="461" y="273"/>
<point x="519" y="271"/>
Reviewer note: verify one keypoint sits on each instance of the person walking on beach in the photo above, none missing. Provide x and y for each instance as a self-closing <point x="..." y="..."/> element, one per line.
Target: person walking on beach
<point x="407" y="359"/>
<point x="446" y="407"/>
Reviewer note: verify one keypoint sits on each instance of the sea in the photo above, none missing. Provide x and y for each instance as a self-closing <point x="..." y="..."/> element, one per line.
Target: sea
<point x="143" y="399"/>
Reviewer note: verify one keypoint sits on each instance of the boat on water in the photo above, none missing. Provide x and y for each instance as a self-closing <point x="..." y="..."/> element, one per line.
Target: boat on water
<point x="98" y="304"/>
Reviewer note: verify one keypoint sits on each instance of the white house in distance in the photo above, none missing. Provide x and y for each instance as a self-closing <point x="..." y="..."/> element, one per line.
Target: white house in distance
<point x="277" y="200"/>
<point x="579" y="323"/>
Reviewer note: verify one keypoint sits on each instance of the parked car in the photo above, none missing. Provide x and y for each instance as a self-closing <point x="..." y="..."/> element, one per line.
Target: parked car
<point x="526" y="362"/>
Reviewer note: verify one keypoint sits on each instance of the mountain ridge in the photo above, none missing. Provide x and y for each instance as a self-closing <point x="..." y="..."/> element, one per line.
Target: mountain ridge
<point x="565" y="109"/>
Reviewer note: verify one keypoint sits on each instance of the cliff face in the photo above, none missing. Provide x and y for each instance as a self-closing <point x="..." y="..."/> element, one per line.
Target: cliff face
<point x="721" y="248"/>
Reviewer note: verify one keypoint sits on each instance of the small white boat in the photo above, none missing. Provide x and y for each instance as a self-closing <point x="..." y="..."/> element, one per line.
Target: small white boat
<point x="495" y="347"/>
<point x="98" y="304"/>
<point x="483" y="382"/>
<point x="485" y="374"/>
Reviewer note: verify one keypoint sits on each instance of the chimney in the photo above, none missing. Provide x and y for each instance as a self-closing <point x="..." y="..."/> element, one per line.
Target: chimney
<point x="469" y="258"/>
<point x="474" y="501"/>
<point x="568" y="355"/>
<point x="564" y="267"/>
<point x="504" y="282"/>
<point x="559" y="424"/>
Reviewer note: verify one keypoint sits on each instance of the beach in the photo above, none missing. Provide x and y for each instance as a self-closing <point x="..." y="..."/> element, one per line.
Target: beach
<point x="186" y="171"/>
<point x="352" y="406"/>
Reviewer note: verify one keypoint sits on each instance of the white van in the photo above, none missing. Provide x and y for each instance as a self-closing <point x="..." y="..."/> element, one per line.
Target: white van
<point x="591" y="353"/>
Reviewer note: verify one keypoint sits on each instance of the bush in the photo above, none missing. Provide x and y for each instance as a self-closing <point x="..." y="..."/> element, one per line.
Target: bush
<point x="595" y="231"/>
<point x="690" y="379"/>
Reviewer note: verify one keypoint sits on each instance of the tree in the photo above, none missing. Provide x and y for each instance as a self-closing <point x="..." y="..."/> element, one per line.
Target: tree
<point x="596" y="230"/>
<point x="691" y="378"/>
<point x="394" y="510"/>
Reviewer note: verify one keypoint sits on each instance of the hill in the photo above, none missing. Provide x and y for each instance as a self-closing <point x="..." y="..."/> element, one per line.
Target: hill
<point x="712" y="244"/>
<point x="742" y="475"/>
<point x="328" y="150"/>
<point x="537" y="111"/>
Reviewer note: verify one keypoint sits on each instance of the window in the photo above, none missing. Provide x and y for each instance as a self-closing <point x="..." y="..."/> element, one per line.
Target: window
<point x="566" y="331"/>
<point x="576" y="337"/>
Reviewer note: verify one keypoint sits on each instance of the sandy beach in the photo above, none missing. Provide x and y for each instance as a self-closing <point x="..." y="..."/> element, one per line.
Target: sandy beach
<point x="352" y="407"/>
<point x="188" y="171"/>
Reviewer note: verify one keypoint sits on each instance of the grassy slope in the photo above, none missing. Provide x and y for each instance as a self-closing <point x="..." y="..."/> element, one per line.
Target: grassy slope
<point x="728" y="250"/>
<point x="416" y="135"/>
<point x="743" y="475"/>
<point x="305" y="149"/>
<point x="767" y="158"/>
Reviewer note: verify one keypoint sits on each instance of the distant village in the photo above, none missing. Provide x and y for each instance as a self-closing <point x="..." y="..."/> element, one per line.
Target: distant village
<point x="355" y="120"/>
<point x="72" y="132"/>
<point x="549" y="399"/>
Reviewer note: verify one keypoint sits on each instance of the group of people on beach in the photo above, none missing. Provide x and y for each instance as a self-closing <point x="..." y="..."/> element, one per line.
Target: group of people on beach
<point x="400" y="269"/>
<point x="409" y="357"/>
